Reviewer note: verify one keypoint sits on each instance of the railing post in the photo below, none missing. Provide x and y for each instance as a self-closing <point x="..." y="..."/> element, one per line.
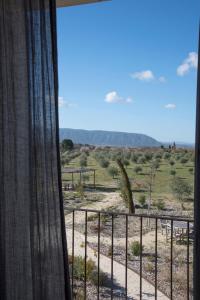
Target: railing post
<point x="196" y="274"/>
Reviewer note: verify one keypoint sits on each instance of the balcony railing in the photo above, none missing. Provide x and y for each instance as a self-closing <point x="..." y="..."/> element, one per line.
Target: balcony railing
<point x="142" y="256"/>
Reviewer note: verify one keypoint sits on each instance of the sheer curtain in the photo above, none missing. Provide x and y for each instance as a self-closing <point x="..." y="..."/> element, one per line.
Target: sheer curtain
<point x="33" y="255"/>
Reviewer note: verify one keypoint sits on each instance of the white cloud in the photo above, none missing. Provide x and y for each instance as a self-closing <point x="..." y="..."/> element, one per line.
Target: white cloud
<point x="170" y="106"/>
<point x="190" y="62"/>
<point x="63" y="103"/>
<point x="147" y="75"/>
<point x="143" y="75"/>
<point x="113" y="97"/>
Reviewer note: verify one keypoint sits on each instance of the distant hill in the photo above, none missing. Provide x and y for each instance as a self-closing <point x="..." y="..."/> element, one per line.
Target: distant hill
<point x="108" y="138"/>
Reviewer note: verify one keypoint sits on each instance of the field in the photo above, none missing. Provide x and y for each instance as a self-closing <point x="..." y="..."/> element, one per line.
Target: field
<point x="171" y="164"/>
<point x="162" y="184"/>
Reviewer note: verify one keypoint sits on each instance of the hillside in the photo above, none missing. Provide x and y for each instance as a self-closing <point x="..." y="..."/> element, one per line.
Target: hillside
<point x="108" y="138"/>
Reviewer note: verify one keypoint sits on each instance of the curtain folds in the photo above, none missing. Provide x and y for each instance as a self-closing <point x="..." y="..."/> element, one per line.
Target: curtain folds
<point x="33" y="253"/>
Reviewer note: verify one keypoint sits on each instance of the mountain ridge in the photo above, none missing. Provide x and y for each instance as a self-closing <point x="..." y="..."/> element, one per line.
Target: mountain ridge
<point x="108" y="138"/>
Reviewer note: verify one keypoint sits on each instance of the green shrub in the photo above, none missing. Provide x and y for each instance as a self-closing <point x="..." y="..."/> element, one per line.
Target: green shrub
<point x="79" y="268"/>
<point x="149" y="267"/>
<point x="126" y="162"/>
<point x="172" y="162"/>
<point x="137" y="169"/>
<point x="155" y="164"/>
<point x="136" y="248"/>
<point x="181" y="188"/>
<point x="160" y="204"/>
<point x="104" y="218"/>
<point x="113" y="171"/>
<point x="103" y="278"/>
<point x="173" y="172"/>
<point x="127" y="155"/>
<point x="142" y="200"/>
<point x="184" y="160"/>
<point x="91" y="271"/>
<point x="177" y="157"/>
<point x="78" y="294"/>
<point x="190" y="170"/>
<point x="110" y="251"/>
<point x="148" y="156"/>
<point x="85" y="177"/>
<point x="104" y="163"/>
<point x="157" y="155"/>
<point x="83" y="162"/>
<point x="92" y="218"/>
<point x="141" y="160"/>
<point x="80" y="190"/>
<point x="134" y="157"/>
<point x="166" y="155"/>
<point x="151" y="258"/>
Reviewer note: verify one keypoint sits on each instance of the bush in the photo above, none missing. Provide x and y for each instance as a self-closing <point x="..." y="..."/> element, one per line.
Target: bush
<point x="134" y="157"/>
<point x="141" y="160"/>
<point x="136" y="248"/>
<point x="83" y="162"/>
<point x="113" y="171"/>
<point x="103" y="278"/>
<point x="137" y="169"/>
<point x="172" y="162"/>
<point x="181" y="188"/>
<point x="155" y="164"/>
<point x="160" y="204"/>
<point x="126" y="162"/>
<point x="166" y="155"/>
<point x="127" y="155"/>
<point x="177" y="157"/>
<point x="85" y="177"/>
<point x="79" y="268"/>
<point x="104" y="218"/>
<point x="92" y="218"/>
<point x="91" y="271"/>
<point x="157" y="155"/>
<point x="110" y="251"/>
<point x="148" y="156"/>
<point x="190" y="170"/>
<point x="142" y="200"/>
<point x="184" y="160"/>
<point x="80" y="190"/>
<point x="104" y="163"/>
<point x="67" y="145"/>
<point x="173" y="172"/>
<point x="149" y="267"/>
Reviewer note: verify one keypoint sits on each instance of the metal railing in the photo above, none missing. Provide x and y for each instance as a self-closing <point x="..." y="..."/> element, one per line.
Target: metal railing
<point x="170" y="240"/>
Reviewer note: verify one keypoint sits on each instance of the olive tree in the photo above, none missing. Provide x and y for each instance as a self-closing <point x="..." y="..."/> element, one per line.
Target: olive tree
<point x="181" y="189"/>
<point x="137" y="169"/>
<point x="66" y="145"/>
<point x="113" y="171"/>
<point x="150" y="179"/>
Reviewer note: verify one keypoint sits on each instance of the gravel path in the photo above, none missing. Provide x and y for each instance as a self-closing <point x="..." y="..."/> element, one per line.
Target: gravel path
<point x="105" y="262"/>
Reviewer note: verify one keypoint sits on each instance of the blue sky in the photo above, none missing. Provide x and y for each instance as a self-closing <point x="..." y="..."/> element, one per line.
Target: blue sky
<point x="130" y="65"/>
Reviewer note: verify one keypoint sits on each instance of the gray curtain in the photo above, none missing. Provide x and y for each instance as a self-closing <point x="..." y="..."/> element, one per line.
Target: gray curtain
<point x="33" y="255"/>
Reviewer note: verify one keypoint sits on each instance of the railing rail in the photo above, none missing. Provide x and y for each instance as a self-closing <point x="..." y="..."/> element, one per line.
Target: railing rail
<point x="80" y="231"/>
<point x="150" y="216"/>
